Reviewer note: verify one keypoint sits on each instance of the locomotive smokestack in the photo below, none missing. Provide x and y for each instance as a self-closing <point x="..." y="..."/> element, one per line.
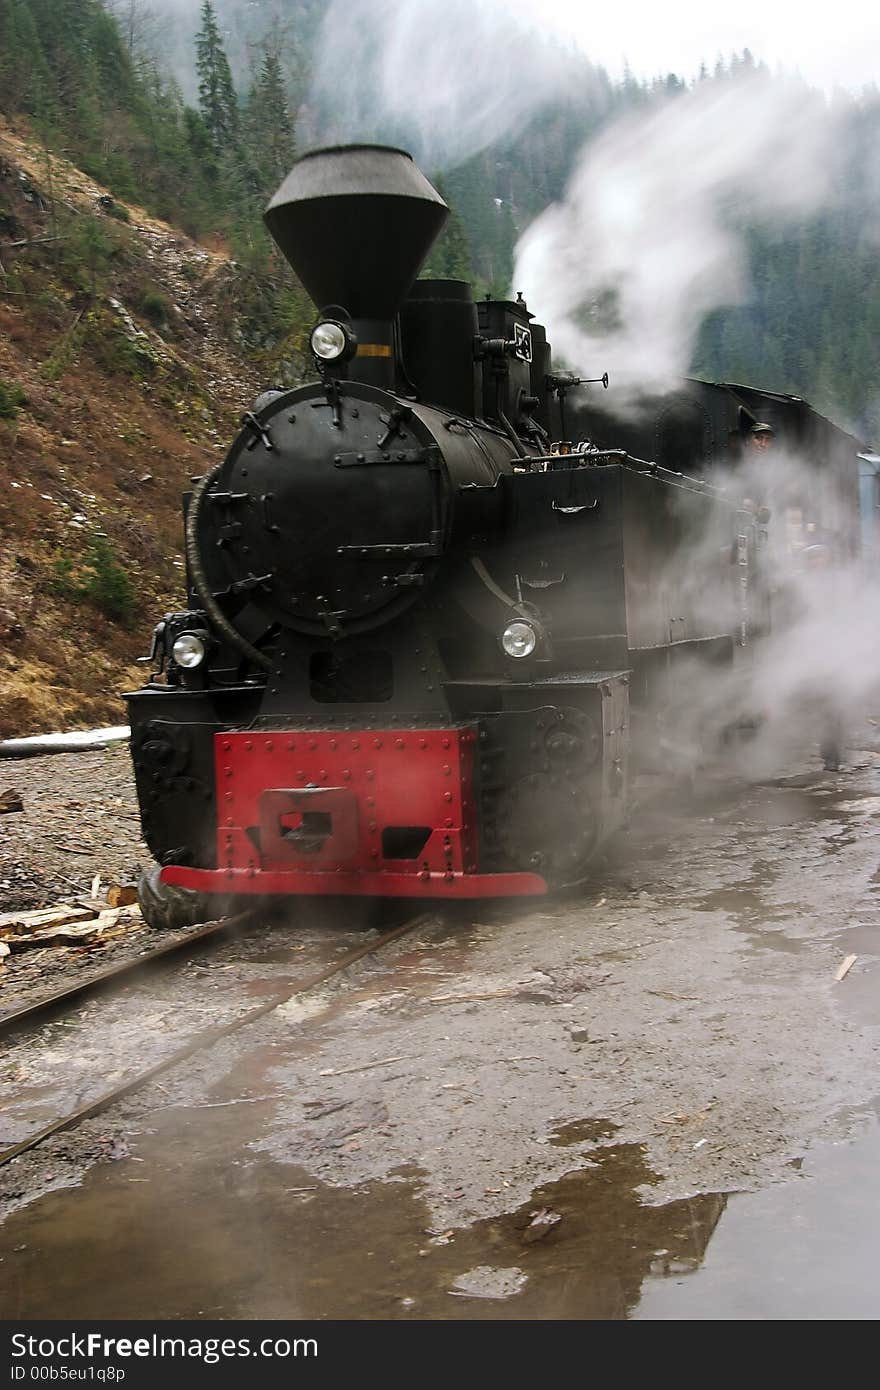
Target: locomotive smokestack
<point x="356" y="223"/>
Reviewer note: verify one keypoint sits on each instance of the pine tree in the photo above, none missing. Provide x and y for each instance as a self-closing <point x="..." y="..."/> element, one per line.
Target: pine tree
<point x="26" y="83"/>
<point x="217" y="100"/>
<point x="269" y="124"/>
<point x="450" y="257"/>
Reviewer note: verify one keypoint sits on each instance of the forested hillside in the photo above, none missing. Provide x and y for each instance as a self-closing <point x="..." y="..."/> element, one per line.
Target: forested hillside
<point x="197" y="109"/>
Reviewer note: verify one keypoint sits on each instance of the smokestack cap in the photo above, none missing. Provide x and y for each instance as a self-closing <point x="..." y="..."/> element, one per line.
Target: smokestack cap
<point x="356" y="223"/>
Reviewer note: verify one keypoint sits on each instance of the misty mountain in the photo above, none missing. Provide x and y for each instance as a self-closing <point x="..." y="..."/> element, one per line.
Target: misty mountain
<point x="291" y="25"/>
<point x="120" y="93"/>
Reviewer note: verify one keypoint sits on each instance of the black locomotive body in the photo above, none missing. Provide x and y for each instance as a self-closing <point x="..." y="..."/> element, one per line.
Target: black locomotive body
<point x="814" y="468"/>
<point x="416" y="625"/>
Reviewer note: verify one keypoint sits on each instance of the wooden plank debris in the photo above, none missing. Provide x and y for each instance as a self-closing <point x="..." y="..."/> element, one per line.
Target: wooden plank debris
<point x="66" y="925"/>
<point x="367" y="1066"/>
<point x="845" y="967"/>
<point x="474" y="998"/>
<point x="37" y="918"/>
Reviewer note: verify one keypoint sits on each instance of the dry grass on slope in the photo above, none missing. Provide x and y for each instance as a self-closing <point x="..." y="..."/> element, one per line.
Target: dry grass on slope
<point x="116" y="386"/>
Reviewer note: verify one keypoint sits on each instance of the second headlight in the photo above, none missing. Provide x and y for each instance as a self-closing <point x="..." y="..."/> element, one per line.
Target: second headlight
<point x="189" y="650"/>
<point x="519" y="639"/>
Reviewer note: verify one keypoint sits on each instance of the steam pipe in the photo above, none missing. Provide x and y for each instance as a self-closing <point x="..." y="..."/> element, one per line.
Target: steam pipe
<point x="200" y="579"/>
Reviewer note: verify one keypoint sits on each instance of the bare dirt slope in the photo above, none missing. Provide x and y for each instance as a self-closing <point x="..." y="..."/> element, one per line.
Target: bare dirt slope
<point x="119" y="380"/>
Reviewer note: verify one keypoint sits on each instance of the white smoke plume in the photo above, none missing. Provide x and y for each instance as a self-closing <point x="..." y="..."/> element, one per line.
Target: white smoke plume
<point x="818" y="669"/>
<point x="447" y="77"/>
<point x="811" y="666"/>
<point x="646" y="242"/>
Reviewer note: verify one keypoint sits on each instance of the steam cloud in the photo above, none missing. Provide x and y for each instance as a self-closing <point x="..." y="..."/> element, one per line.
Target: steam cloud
<point x="446" y="77"/>
<point x="645" y="243"/>
<point x="647" y="239"/>
<point x="809" y="678"/>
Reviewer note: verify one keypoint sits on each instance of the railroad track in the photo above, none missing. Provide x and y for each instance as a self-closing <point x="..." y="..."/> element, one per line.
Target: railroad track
<point x="44" y="1009"/>
<point x="41" y="1010"/>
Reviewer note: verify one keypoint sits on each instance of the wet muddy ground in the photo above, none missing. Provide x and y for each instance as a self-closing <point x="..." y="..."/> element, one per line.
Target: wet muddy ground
<point x="652" y="1099"/>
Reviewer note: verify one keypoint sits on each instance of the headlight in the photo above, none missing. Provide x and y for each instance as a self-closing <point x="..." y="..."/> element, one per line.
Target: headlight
<point x="330" y="341"/>
<point x="188" y="650"/>
<point x="519" y="639"/>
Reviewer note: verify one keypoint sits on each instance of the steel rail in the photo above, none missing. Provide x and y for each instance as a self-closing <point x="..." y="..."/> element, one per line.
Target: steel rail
<point x="49" y="1004"/>
<point x="206" y="1039"/>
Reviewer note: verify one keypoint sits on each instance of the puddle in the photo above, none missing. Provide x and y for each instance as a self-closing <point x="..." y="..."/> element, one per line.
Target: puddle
<point x="736" y="900"/>
<point x="207" y="1233"/>
<point x="806" y="1249"/>
<point x="582" y="1132"/>
<point x="198" y="1228"/>
<point x="862" y="806"/>
<point x="190" y="1224"/>
<point x="779" y="806"/>
<point x="857" y="993"/>
<point x="751" y="915"/>
<point x="861" y="939"/>
<point x="789" y="805"/>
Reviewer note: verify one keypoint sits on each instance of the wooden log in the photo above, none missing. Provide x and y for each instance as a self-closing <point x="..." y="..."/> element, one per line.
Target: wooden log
<point x="79" y="741"/>
<point x="121" y="895"/>
<point x="33" y="241"/>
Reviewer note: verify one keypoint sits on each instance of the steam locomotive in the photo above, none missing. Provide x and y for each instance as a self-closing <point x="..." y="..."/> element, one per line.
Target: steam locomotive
<point x="421" y="625"/>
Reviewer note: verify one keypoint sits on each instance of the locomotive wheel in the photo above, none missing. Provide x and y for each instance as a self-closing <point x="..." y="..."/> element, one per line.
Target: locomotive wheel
<point x="168" y="909"/>
<point x="548" y="824"/>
